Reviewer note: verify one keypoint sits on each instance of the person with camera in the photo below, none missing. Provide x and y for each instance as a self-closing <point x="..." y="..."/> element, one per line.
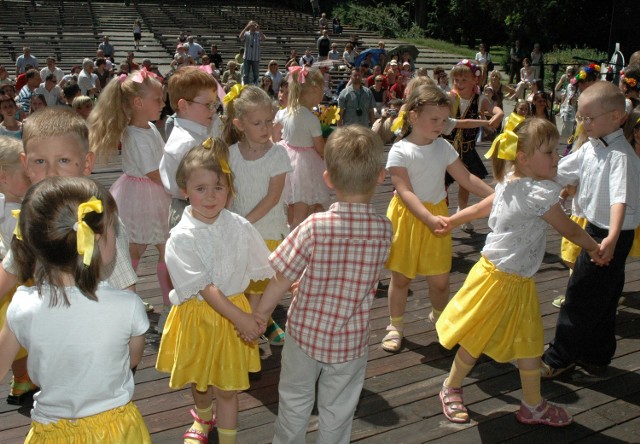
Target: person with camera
<point x="382" y="126"/>
<point x="356" y="102"/>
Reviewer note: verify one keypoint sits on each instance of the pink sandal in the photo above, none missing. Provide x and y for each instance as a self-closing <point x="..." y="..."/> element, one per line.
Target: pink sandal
<point x="545" y="413"/>
<point x="453" y="405"/>
<point x="192" y="433"/>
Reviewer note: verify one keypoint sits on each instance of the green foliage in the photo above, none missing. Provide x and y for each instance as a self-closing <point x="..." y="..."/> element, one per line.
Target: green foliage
<point x="390" y="20"/>
<point x="569" y="56"/>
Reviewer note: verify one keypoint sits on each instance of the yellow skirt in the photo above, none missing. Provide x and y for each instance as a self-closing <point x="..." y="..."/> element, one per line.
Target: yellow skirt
<point x="494" y="313"/>
<point x="200" y="346"/>
<point x="414" y="248"/>
<point x="4" y="305"/>
<point x="258" y="287"/>
<point x="568" y="250"/>
<point x="635" y="248"/>
<point x="122" y="425"/>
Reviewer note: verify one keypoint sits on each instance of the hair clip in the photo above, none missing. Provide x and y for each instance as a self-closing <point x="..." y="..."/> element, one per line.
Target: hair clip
<point x="630" y="81"/>
<point x="208" y="144"/>
<point x="122" y="77"/>
<point x="16" y="230"/>
<point x="399" y="122"/>
<point x="302" y="73"/>
<point x="507" y="142"/>
<point x="224" y="165"/>
<point x="143" y="74"/>
<point x="233" y="93"/>
<point x="86" y="236"/>
<point x="472" y="66"/>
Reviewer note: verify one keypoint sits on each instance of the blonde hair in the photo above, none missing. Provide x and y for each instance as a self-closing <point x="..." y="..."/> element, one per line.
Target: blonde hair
<point x="532" y="133"/>
<point x="313" y="79"/>
<point x="416" y="82"/>
<point x="81" y="101"/>
<point x="208" y="157"/>
<point x="54" y="121"/>
<point x="424" y="95"/>
<point x="607" y="96"/>
<point x="113" y="112"/>
<point x="249" y="98"/>
<point x="187" y="82"/>
<point x="354" y="157"/>
<point x="10" y="150"/>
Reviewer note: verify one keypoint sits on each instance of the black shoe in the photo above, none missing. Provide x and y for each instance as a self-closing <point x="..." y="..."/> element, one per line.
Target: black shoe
<point x="593" y="369"/>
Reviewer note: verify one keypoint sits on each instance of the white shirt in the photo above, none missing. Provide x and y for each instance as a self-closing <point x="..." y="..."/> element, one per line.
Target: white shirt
<point x="7" y="224"/>
<point x="44" y="72"/>
<point x="78" y="355"/>
<point x="51" y="97"/>
<point x="85" y="82"/>
<point x="227" y="253"/>
<point x="276" y="80"/>
<point x="607" y="175"/>
<point x="251" y="179"/>
<point x="426" y="165"/>
<point x="141" y="150"/>
<point x="299" y="128"/>
<point x="195" y="50"/>
<point x="518" y="237"/>
<point x="186" y="134"/>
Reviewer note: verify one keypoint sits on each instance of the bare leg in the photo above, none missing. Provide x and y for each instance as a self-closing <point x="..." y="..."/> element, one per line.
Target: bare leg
<point x="439" y="292"/>
<point x="398" y="291"/>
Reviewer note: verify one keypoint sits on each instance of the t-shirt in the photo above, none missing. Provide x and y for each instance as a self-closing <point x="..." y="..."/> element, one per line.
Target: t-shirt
<point x="299" y="128"/>
<point x="141" y="150"/>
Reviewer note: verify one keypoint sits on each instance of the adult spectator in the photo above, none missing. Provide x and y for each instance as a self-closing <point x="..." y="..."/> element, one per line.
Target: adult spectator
<point x="51" y="68"/>
<point x="275" y="74"/>
<point x="334" y="55"/>
<point x="380" y="93"/>
<point x="21" y="80"/>
<point x="26" y="59"/>
<point x="382" y="126"/>
<point x="231" y="74"/>
<point x="315" y="8"/>
<point x="4" y="77"/>
<point x="133" y="66"/>
<point x="483" y="59"/>
<point x="50" y="90"/>
<point x="337" y="27"/>
<point x="101" y="71"/>
<point x="349" y="55"/>
<point x="307" y="59"/>
<point x="100" y="55"/>
<point x="71" y="78"/>
<point x="324" y="44"/>
<point x="292" y="60"/>
<point x="516" y="55"/>
<point x="377" y="71"/>
<point x="194" y="49"/>
<point x="356" y="102"/>
<point x="28" y="90"/>
<point x="252" y="38"/>
<point x="537" y="62"/>
<point x="86" y="81"/>
<point x="215" y="57"/>
<point x="70" y="92"/>
<point x="107" y="48"/>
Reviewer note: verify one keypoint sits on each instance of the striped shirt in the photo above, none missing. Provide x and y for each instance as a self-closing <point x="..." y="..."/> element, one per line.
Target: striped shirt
<point x="252" y="46"/>
<point x="337" y="256"/>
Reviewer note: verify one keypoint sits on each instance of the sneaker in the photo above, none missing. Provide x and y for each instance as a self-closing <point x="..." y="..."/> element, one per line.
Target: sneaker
<point x="467" y="228"/>
<point x="545" y="413"/>
<point x="557" y="302"/>
<point x="548" y="372"/>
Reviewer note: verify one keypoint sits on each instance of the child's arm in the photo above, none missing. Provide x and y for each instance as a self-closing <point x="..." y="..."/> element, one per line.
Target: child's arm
<point x="276" y="185"/>
<point x="402" y="184"/>
<point x="556" y="217"/>
<point x="277" y="287"/>
<point x="616" y="218"/>
<point x="7" y="282"/>
<point x="245" y="323"/>
<point x="9" y="347"/>
<point x="318" y="143"/>
<point x="476" y="211"/>
<point x="136" y="348"/>
<point x="468" y="181"/>
<point x="276" y="134"/>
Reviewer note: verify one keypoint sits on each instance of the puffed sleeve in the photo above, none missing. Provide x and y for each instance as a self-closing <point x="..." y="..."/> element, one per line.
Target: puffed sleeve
<point x="187" y="271"/>
<point x="397" y="157"/>
<point x="540" y="196"/>
<point x="281" y="162"/>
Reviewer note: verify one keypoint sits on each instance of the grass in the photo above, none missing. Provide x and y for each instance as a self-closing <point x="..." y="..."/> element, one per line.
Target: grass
<point x="452" y="48"/>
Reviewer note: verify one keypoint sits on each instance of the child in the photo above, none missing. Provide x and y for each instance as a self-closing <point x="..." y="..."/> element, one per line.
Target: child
<point x="634" y="139"/>
<point x="13" y="185"/>
<point x="9" y="126"/>
<point x="123" y="115"/>
<point x="302" y="137"/>
<point x="338" y="256"/>
<point x="467" y="103"/>
<point x="193" y="97"/>
<point x="527" y="76"/>
<point x="541" y="107"/>
<point x="83" y="105"/>
<point x="417" y="165"/>
<point x="66" y="236"/>
<point x="212" y="254"/>
<point x="496" y="312"/>
<point x="607" y="170"/>
<point x="137" y="34"/>
<point x="259" y="167"/>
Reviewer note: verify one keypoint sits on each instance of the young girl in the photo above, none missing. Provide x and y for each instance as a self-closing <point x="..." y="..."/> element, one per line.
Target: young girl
<point x="212" y="254"/>
<point x="38" y="101"/>
<point x="13" y="185"/>
<point x="496" y="312"/>
<point x="417" y="165"/>
<point x="527" y="77"/>
<point x="124" y="114"/>
<point x="541" y="107"/>
<point x="260" y="168"/>
<point x="137" y="34"/>
<point x="65" y="238"/>
<point x="9" y="125"/>
<point x="305" y="190"/>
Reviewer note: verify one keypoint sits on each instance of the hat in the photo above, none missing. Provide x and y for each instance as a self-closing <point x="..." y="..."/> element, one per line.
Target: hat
<point x="406" y="64"/>
<point x="393" y="63"/>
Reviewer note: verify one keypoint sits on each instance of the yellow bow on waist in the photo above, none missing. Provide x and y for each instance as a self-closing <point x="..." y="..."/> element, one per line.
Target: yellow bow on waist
<point x="86" y="236"/>
<point x="16" y="230"/>
<point x="507" y="141"/>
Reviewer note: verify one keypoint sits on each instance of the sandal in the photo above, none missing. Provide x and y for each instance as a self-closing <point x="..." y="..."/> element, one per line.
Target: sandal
<point x="545" y="413"/>
<point x="20" y="391"/>
<point x="453" y="405"/>
<point x="196" y="434"/>
<point x="548" y="372"/>
<point x="393" y="340"/>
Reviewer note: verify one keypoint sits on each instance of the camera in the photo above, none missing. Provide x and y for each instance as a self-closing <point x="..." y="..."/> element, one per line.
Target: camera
<point x="358" y="112"/>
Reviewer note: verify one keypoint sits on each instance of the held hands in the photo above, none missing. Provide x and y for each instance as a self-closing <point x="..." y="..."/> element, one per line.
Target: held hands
<point x="445" y="226"/>
<point x="249" y="327"/>
<point x="435" y="223"/>
<point x="607" y="248"/>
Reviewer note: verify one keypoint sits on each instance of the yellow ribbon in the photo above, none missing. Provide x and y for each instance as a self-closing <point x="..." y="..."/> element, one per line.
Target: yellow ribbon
<point x="224" y="165"/>
<point x="233" y="93"/>
<point x="86" y="236"/>
<point x="399" y="122"/>
<point x="16" y="230"/>
<point x="507" y="141"/>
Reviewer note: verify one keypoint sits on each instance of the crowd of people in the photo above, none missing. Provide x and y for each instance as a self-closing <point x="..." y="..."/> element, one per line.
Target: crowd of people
<point x="246" y="199"/>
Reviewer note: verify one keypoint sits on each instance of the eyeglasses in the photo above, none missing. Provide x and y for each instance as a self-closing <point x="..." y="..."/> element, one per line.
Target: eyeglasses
<point x="589" y="120"/>
<point x="211" y="106"/>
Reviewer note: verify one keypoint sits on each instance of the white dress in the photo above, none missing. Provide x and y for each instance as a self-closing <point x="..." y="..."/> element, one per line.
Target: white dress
<point x="143" y="204"/>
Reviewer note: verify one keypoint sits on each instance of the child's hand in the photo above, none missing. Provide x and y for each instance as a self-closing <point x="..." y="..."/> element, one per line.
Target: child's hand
<point x="294" y="288"/>
<point x="446" y="229"/>
<point x="607" y="248"/>
<point x="247" y="327"/>
<point x="596" y="256"/>
<point x="435" y="224"/>
<point x="261" y="321"/>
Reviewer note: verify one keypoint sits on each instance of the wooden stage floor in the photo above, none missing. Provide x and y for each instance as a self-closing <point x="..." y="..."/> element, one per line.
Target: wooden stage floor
<point x="399" y="402"/>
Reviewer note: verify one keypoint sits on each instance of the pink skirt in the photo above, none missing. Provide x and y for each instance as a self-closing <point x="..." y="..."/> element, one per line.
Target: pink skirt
<point x="143" y="206"/>
<point x="305" y="183"/>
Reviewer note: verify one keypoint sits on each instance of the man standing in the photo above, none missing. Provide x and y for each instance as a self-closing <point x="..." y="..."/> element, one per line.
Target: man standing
<point x="315" y="8"/>
<point x="194" y="49"/>
<point x="28" y="90"/>
<point x="324" y="43"/>
<point x="51" y="68"/>
<point x="356" y="103"/>
<point x="252" y="37"/>
<point x="107" y="48"/>
<point x="516" y="54"/>
<point x="25" y="59"/>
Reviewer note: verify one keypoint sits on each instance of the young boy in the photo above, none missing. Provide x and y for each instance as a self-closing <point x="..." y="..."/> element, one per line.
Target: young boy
<point x="193" y="96"/>
<point x="337" y="256"/>
<point x="607" y="170"/>
<point x="468" y="104"/>
<point x="56" y="143"/>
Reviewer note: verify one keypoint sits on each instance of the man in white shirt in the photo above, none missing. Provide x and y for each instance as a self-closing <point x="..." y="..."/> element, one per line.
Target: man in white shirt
<point x="51" y="68"/>
<point x="194" y="49"/>
<point x="50" y="90"/>
<point x="86" y="80"/>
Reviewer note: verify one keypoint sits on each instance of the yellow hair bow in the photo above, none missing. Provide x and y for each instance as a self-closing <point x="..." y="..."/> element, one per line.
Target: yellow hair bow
<point x="86" y="236"/>
<point x="399" y="122"/>
<point x="16" y="230"/>
<point x="507" y="141"/>
<point x="233" y="93"/>
<point x="224" y="165"/>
